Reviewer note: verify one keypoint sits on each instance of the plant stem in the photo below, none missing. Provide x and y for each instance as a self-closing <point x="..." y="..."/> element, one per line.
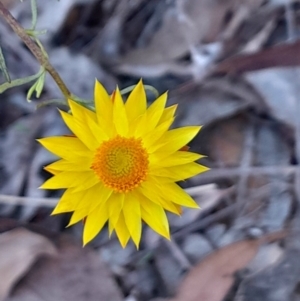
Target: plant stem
<point x="35" y="50"/>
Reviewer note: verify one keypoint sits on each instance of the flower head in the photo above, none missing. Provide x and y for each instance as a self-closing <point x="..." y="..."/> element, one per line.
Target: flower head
<point x="122" y="164"/>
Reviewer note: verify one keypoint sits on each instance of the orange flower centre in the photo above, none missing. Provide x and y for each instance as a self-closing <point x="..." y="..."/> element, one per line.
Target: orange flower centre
<point x="121" y="163"/>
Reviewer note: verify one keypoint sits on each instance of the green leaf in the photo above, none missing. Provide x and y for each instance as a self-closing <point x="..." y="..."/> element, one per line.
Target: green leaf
<point x="20" y="81"/>
<point x="40" y="85"/>
<point x="34" y="14"/>
<point x="37" y="87"/>
<point x="30" y="91"/>
<point x="3" y="67"/>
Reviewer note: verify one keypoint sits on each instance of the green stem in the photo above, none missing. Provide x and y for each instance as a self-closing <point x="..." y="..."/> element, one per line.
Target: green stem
<point x="35" y="50"/>
<point x="146" y="87"/>
<point x="34" y="14"/>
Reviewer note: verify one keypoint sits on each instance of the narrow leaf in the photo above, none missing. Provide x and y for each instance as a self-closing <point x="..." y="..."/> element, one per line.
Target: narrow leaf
<point x="3" y="67"/>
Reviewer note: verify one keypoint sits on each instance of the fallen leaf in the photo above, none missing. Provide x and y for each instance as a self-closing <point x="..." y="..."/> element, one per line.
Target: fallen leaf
<point x="19" y="249"/>
<point x="75" y="274"/>
<point x="226" y="140"/>
<point x="213" y="277"/>
<point x="285" y="55"/>
<point x="279" y="89"/>
<point x="267" y="256"/>
<point x="9" y="3"/>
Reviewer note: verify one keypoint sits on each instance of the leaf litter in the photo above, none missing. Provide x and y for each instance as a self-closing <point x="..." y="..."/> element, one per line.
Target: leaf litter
<point x="19" y="250"/>
<point x="212" y="278"/>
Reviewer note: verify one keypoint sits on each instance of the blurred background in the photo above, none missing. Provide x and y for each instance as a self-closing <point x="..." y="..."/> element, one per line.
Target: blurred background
<point x="233" y="67"/>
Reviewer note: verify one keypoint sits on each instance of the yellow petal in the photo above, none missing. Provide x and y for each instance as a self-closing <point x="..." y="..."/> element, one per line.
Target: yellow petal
<point x="168" y="113"/>
<point x="96" y="195"/>
<point x="101" y="96"/>
<point x="155" y="111"/>
<point x="179" y="172"/>
<point x="79" y="111"/>
<point x="171" y="207"/>
<point x="172" y="192"/>
<point x="174" y="140"/>
<point x="81" y="130"/>
<point x="122" y="231"/>
<point x="132" y="215"/>
<point x="68" y="148"/>
<point x="68" y="202"/>
<point x="152" y="137"/>
<point x="87" y="183"/>
<point x="155" y="216"/>
<point x="119" y="115"/>
<point x="150" y="119"/>
<point x="104" y="109"/>
<point x="77" y="216"/>
<point x="146" y="190"/>
<point x="115" y="206"/>
<point x="139" y="126"/>
<point x="94" y="223"/>
<point x="64" y="165"/>
<point x="67" y="179"/>
<point x="178" y="158"/>
<point x="52" y="171"/>
<point x="92" y="198"/>
<point x="98" y="132"/>
<point x="80" y="213"/>
<point x="136" y="103"/>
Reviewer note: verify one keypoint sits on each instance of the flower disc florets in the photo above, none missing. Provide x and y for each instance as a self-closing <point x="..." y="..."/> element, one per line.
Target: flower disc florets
<point x="121" y="163"/>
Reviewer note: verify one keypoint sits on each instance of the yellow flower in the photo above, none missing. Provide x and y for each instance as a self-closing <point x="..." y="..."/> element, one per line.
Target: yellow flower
<point x="121" y="165"/>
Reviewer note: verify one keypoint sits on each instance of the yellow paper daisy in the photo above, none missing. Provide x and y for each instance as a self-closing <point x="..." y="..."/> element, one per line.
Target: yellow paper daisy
<point x="121" y="165"/>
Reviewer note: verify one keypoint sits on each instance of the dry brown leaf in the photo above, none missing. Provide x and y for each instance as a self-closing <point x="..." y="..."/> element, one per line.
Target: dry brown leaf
<point x="19" y="249"/>
<point x="75" y="274"/>
<point x="226" y="140"/>
<point x="285" y="55"/>
<point x="212" y="278"/>
<point x="9" y="3"/>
